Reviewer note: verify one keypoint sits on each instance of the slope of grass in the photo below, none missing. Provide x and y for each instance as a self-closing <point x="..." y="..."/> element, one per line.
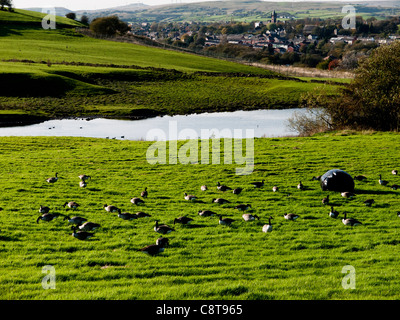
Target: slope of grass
<point x="66" y="90"/>
<point x="32" y="18"/>
<point x="300" y="259"/>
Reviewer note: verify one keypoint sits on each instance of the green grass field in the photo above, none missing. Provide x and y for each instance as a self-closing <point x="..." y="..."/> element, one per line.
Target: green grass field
<point x="300" y="259"/>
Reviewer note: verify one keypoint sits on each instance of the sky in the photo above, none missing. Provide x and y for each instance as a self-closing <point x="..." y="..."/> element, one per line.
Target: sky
<point x="95" y="4"/>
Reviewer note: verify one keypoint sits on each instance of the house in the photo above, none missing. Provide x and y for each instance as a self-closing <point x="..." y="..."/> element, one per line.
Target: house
<point x="308" y="28"/>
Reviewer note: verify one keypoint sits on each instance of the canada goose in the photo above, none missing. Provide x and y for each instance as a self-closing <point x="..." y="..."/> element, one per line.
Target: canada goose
<point x="225" y="221"/>
<point x="53" y="179"/>
<point x="250" y="217"/>
<point x="153" y="249"/>
<point x="183" y="220"/>
<point x="206" y="213"/>
<point x="360" y="178"/>
<point x="347" y="194"/>
<point x="127" y="216"/>
<point x="75" y="220"/>
<point x="137" y="201"/>
<point x="394" y="172"/>
<point x="243" y="207"/>
<point x="82" y="184"/>
<point x="189" y="197"/>
<point x="162" y="241"/>
<point x="382" y="182"/>
<point x="325" y="200"/>
<point x="81" y="235"/>
<point x="333" y="213"/>
<point x="222" y="187"/>
<point x="84" y="177"/>
<point x="163" y="229"/>
<point x="258" y="184"/>
<point x="111" y="208"/>
<point x="47" y="217"/>
<point x="43" y="209"/>
<point x="291" y="216"/>
<point x="395" y="186"/>
<point x="398" y="213"/>
<point x="267" y="227"/>
<point x="316" y="178"/>
<point x="369" y="202"/>
<point x="300" y="186"/>
<point x="203" y="187"/>
<point x="220" y="201"/>
<point x="89" y="226"/>
<point x="237" y="190"/>
<point x="144" y="193"/>
<point x="275" y="188"/>
<point x="72" y="205"/>
<point x="141" y="214"/>
<point x="350" y="221"/>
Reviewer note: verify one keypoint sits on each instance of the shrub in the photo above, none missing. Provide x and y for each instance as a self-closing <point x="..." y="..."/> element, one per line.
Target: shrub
<point x="108" y="26"/>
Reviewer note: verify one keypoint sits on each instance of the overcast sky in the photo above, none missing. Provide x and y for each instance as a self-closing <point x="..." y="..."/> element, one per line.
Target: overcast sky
<point x="99" y="4"/>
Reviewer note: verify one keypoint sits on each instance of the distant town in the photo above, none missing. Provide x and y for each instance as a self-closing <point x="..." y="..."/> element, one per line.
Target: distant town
<point x="282" y="39"/>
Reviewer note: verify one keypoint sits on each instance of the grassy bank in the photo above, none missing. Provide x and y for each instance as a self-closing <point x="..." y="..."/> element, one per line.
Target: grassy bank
<point x="65" y="90"/>
<point x="61" y="73"/>
<point x="300" y="259"/>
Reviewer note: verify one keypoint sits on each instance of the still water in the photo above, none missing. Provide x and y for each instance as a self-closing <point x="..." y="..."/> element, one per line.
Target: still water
<point x="265" y="123"/>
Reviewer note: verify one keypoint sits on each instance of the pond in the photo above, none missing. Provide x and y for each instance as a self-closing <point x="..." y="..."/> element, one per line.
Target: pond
<point x="265" y="123"/>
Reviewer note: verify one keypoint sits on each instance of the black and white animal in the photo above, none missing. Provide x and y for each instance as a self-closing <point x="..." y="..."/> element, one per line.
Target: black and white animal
<point x="206" y="213"/>
<point x="220" y="201"/>
<point x="222" y="187"/>
<point x="325" y="200"/>
<point x="369" y="202"/>
<point x="84" y="177"/>
<point x="350" y="221"/>
<point x="300" y="186"/>
<point x="89" y="226"/>
<point x="81" y="235"/>
<point x="75" y="220"/>
<point x="44" y="209"/>
<point x="333" y="213"/>
<point x="183" y="220"/>
<point x="53" y="179"/>
<point x="72" y="205"/>
<point x="382" y="182"/>
<point x="144" y="193"/>
<point x="189" y="197"/>
<point x="225" y="221"/>
<point x="163" y="229"/>
<point x="250" y="217"/>
<point x="258" y="184"/>
<point x="111" y="208"/>
<point x="291" y="216"/>
<point x="47" y="217"/>
<point x="243" y="207"/>
<point x="267" y="227"/>
<point x="137" y="201"/>
<point x="127" y="216"/>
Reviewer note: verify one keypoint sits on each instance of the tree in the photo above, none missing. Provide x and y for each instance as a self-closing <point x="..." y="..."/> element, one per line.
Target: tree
<point x="109" y="26"/>
<point x="372" y="100"/>
<point x="6" y="3"/>
<point x="85" y="19"/>
<point x="71" y="15"/>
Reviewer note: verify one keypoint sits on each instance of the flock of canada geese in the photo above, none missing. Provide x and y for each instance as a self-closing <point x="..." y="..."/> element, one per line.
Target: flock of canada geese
<point x="83" y="229"/>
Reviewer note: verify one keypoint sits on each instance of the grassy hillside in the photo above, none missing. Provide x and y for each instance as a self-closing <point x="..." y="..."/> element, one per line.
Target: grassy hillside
<point x="32" y="18"/>
<point x="23" y="40"/>
<point x="61" y="90"/>
<point x="253" y="10"/>
<point x="300" y="259"/>
<point x="58" y="73"/>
